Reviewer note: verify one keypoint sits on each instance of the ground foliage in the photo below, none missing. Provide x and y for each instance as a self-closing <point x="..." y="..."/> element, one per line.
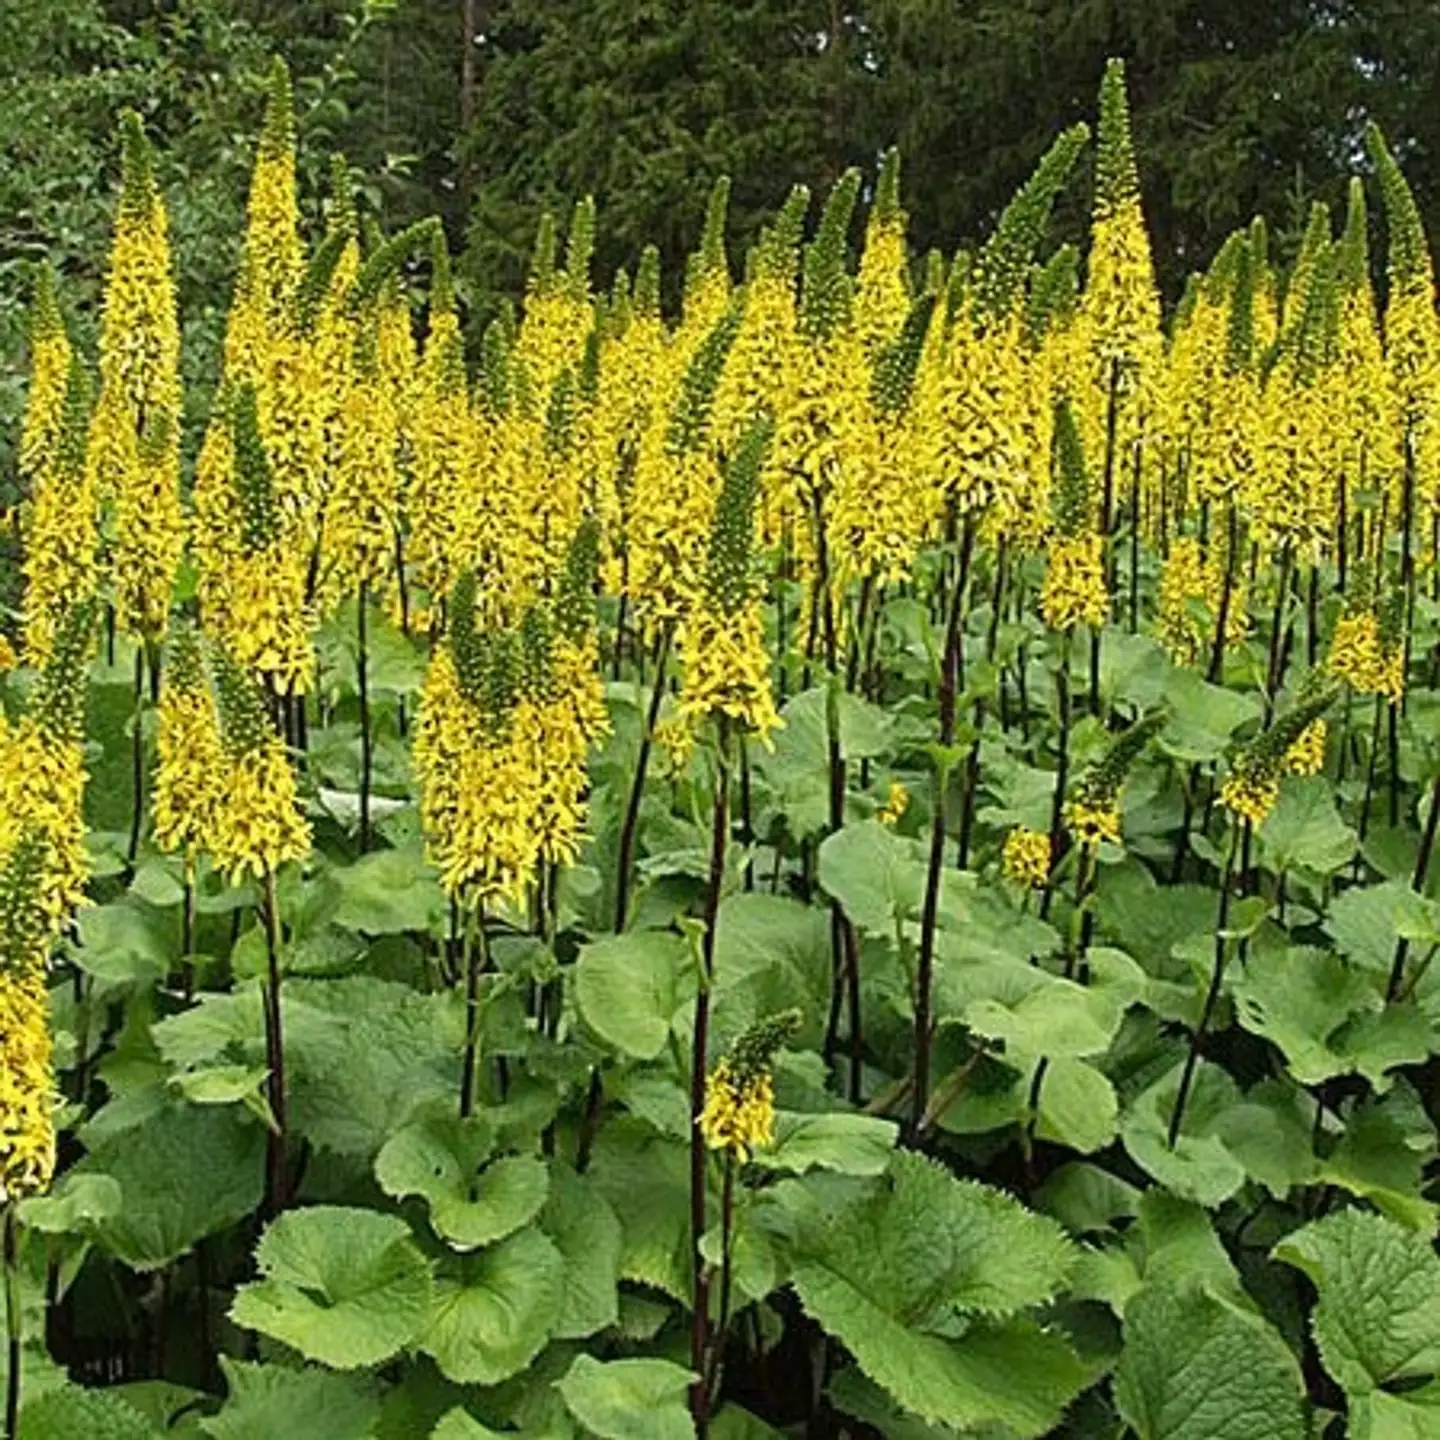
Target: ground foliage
<point x="940" y="871"/>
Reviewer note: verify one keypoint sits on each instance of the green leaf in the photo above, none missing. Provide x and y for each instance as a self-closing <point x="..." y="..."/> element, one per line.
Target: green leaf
<point x="1198" y="1166"/>
<point x="1196" y="1368"/>
<point x="458" y="1424"/>
<point x="1365" y="920"/>
<point x="771" y="954"/>
<point x="270" y="1400"/>
<point x="934" y="1242"/>
<point x="586" y="1232"/>
<point x="646" y="1179"/>
<point x="442" y="1158"/>
<point x="1377" y="1319"/>
<point x="78" y="1201"/>
<point x="71" y="1411"/>
<point x="874" y="873"/>
<point x="629" y="1399"/>
<point x="1305" y="831"/>
<point x="494" y="1311"/>
<point x="1297" y="998"/>
<point x="847" y="1143"/>
<point x="1078" y="1106"/>
<point x="185" y="1171"/>
<point x="629" y="988"/>
<point x="1203" y="717"/>
<point x="126" y="942"/>
<point x="1378" y="1415"/>
<point x="343" y="1286"/>
<point x="388" y="892"/>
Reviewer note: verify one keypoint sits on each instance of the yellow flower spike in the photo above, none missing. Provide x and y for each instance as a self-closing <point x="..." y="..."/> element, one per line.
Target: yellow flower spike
<point x="738" y="1115"/>
<point x="189" y="793"/>
<point x="134" y="443"/>
<point x="1091" y="822"/>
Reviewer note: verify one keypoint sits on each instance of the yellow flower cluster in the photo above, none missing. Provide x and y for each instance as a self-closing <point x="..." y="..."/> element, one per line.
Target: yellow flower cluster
<point x="1250" y="794"/>
<point x="739" y="1112"/>
<point x="727" y="670"/>
<point x="1306" y="755"/>
<point x="1026" y="856"/>
<point x="134" y="453"/>
<point x="1093" y="820"/>
<point x="1074" y="590"/>
<point x="1359" y="657"/>
<point x="897" y="802"/>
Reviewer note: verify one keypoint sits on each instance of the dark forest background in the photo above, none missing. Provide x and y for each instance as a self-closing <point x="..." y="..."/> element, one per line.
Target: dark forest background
<point x="488" y="112"/>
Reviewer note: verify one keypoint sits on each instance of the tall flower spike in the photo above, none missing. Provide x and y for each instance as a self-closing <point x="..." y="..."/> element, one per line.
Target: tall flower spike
<point x="1412" y="332"/>
<point x="1074" y="590"/>
<point x="271" y="261"/>
<point x="259" y="826"/>
<point x="59" y="704"/>
<point x="882" y="288"/>
<point x="690" y="418"/>
<point x="825" y="285"/>
<point x="61" y="533"/>
<point x="27" y="1078"/>
<point x="1121" y="302"/>
<point x="580" y="248"/>
<point x="995" y="281"/>
<point x="50" y="364"/>
<point x="1253" y="784"/>
<point x="722" y="643"/>
<point x="189" y="792"/>
<point x="135" y="434"/>
<point x="707" y="271"/>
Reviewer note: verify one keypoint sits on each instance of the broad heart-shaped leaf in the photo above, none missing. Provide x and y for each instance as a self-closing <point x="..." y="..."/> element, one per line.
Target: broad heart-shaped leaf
<point x="796" y="770"/>
<point x="71" y="1412"/>
<point x="457" y="1424"/>
<point x="629" y="988"/>
<point x="1305" y="830"/>
<point x="1194" y="1367"/>
<point x="1297" y="998"/>
<point x="185" y="1171"/>
<point x="1198" y="1167"/>
<point x="494" y="1310"/>
<point x="922" y="1245"/>
<point x="1364" y="922"/>
<point x="1378" y="1415"/>
<point x="343" y="1286"/>
<point x="771" y="954"/>
<point x="1203" y="717"/>
<point x="1078" y="1106"/>
<point x="585" y="1230"/>
<point x="849" y="1144"/>
<point x="629" y="1399"/>
<point x="78" y="1201"/>
<point x="125" y="942"/>
<point x="1011" y="1374"/>
<point x="1378" y="1315"/>
<point x="471" y="1203"/>
<point x="270" y="1400"/>
<point x="388" y="892"/>
<point x="646" y="1179"/>
<point x="876" y="875"/>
